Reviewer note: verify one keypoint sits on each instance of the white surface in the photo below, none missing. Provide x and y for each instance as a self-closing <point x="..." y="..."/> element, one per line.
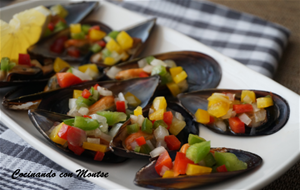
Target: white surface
<point x="279" y="151"/>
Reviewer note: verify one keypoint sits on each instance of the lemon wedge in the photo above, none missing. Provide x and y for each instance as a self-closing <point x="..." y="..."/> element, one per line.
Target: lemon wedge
<point x="22" y="31"/>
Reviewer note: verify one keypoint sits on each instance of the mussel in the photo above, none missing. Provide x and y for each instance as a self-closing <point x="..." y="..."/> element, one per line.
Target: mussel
<point x="202" y="70"/>
<point x="140" y="33"/>
<point x="57" y="100"/>
<point x="190" y="128"/>
<point x="148" y="177"/>
<point x="45" y="120"/>
<point x="276" y="115"/>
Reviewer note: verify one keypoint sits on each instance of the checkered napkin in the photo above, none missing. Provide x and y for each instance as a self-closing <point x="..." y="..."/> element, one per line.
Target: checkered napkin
<point x="243" y="37"/>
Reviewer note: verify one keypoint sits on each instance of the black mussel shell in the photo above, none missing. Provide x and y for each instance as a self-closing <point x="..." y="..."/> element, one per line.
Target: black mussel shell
<point x="42" y="50"/>
<point x="141" y="31"/>
<point x="203" y="71"/>
<point x="190" y="128"/>
<point x="45" y="120"/>
<point x="57" y="100"/>
<point x="277" y="115"/>
<point x="147" y="176"/>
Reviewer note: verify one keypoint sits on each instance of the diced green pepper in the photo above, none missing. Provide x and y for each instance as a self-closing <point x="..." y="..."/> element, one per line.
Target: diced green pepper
<point x="78" y="36"/>
<point x="198" y="151"/>
<point x="166" y="78"/>
<point x="47" y="32"/>
<point x="86" y="124"/>
<point x="160" y="70"/>
<point x="6" y="65"/>
<point x="113" y="117"/>
<point x="85" y="102"/>
<point x="69" y="122"/>
<point x="85" y="28"/>
<point x="193" y="139"/>
<point x="147" y="126"/>
<point x="145" y="149"/>
<point x="209" y="160"/>
<point x="160" y="122"/>
<point x="94" y="93"/>
<point x="60" y="26"/>
<point x="132" y="128"/>
<point x="149" y="59"/>
<point x="137" y="149"/>
<point x="113" y="34"/>
<point x="230" y="160"/>
<point x="106" y="53"/>
<point x="96" y="48"/>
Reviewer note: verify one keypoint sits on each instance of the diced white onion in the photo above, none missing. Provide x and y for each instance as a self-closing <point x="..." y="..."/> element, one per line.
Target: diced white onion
<point x="81" y="75"/>
<point x="221" y="125"/>
<point x="170" y="63"/>
<point x="179" y="116"/>
<point x="255" y="108"/>
<point x="149" y="143"/>
<point x="72" y="103"/>
<point x="83" y="110"/>
<point x="107" y="38"/>
<point x="183" y="86"/>
<point x="160" y="133"/>
<point x="245" y="118"/>
<point x="93" y="140"/>
<point x="103" y="122"/>
<point x="157" y="62"/>
<point x="133" y="119"/>
<point x="104" y="92"/>
<point x="148" y="68"/>
<point x="131" y="100"/>
<point x="157" y="151"/>
<point x="114" y="130"/>
<point x="247" y="99"/>
<point x="142" y="63"/>
<point x="151" y="111"/>
<point x="113" y="71"/>
<point x="260" y="115"/>
<point x="133" y="145"/>
<point x="161" y="142"/>
<point x="117" y="57"/>
<point x="96" y="133"/>
<point x="230" y="96"/>
<point x="91" y="73"/>
<point x="74" y="111"/>
<point x="106" y="137"/>
<point x="140" y="120"/>
<point x="228" y="114"/>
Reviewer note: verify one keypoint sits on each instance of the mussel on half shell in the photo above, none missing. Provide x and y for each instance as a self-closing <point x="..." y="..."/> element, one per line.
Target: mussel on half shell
<point x="190" y="128"/>
<point x="45" y="120"/>
<point x="148" y="177"/>
<point x="276" y="115"/>
<point x="203" y="71"/>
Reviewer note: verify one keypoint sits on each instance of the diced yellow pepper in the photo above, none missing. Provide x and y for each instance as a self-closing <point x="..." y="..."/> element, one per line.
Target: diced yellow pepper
<point x="176" y="126"/>
<point x="160" y="103"/>
<point x="248" y="96"/>
<point x="137" y="101"/>
<point x="264" y="102"/>
<point x="96" y="34"/>
<point x="124" y="40"/>
<point x="77" y="93"/>
<point x="180" y="77"/>
<point x="91" y="66"/>
<point x="202" y="116"/>
<point x="174" y="88"/>
<point x="157" y="115"/>
<point x="60" y="64"/>
<point x="168" y="174"/>
<point x="218" y="105"/>
<point x="75" y="28"/>
<point x="175" y="71"/>
<point x="112" y="45"/>
<point x="138" y="111"/>
<point x="54" y="137"/>
<point x="94" y="147"/>
<point x="125" y="57"/>
<point x="193" y="169"/>
<point x="109" y="61"/>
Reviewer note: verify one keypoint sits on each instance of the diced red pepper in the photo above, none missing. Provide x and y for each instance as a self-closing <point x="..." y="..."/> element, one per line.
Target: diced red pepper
<point x="140" y="141"/>
<point x="86" y="94"/>
<point x="120" y="106"/>
<point x="62" y="133"/>
<point x="96" y="27"/>
<point x="134" y="136"/>
<point x="55" y="19"/>
<point x="51" y="26"/>
<point x="143" y="74"/>
<point x="59" y="44"/>
<point x="78" y="150"/>
<point x="164" y="159"/>
<point x="153" y="122"/>
<point x="242" y="108"/>
<point x="236" y="125"/>
<point x="172" y="142"/>
<point x="96" y="86"/>
<point x="211" y="120"/>
<point x="67" y="79"/>
<point x="99" y="156"/>
<point x="87" y="116"/>
<point x="73" y="51"/>
<point x="222" y="168"/>
<point x="181" y="162"/>
<point x="168" y="117"/>
<point x="101" y="43"/>
<point x="76" y="136"/>
<point x="24" y="59"/>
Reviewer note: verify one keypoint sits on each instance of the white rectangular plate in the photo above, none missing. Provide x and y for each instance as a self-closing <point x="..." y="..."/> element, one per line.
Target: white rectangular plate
<point x="279" y="151"/>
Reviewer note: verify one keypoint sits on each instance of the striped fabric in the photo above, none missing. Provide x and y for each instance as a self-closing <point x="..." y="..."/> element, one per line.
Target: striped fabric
<point x="248" y="39"/>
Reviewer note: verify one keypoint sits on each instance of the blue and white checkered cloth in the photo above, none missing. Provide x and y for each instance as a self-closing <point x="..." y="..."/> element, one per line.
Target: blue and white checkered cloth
<point x="248" y="39"/>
